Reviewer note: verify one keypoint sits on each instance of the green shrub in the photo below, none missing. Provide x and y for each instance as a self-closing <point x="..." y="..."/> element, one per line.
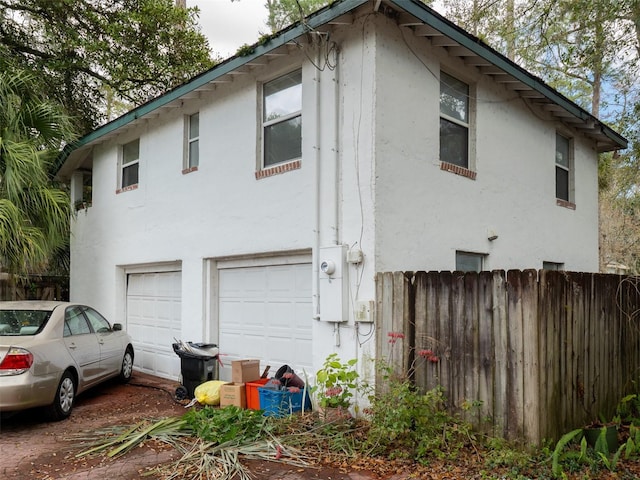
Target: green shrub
<point x="405" y="423"/>
<point x="221" y="425"/>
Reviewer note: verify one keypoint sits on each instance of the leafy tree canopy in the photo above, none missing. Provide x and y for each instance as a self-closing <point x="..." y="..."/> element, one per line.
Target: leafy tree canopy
<point x="282" y="13"/>
<point x="89" y="50"/>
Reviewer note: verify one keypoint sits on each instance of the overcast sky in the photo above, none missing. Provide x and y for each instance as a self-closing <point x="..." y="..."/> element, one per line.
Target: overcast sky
<point x="229" y="25"/>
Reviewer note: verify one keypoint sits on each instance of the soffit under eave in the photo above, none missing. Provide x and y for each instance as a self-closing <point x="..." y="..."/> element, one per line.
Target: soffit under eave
<point x="78" y="159"/>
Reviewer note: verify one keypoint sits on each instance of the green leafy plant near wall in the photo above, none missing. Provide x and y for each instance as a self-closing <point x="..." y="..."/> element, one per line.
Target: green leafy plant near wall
<point x="407" y="423"/>
<point x="336" y="383"/>
<point x="573" y="451"/>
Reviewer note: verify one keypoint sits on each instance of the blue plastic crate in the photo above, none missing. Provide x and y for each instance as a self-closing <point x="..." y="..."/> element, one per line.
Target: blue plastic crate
<point x="280" y="403"/>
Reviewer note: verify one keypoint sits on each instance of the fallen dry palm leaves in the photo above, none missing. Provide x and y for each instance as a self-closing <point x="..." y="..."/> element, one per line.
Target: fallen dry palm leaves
<point x="200" y="459"/>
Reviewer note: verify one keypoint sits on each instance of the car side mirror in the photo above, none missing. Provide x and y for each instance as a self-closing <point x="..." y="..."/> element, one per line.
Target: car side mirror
<point x="117" y="327"/>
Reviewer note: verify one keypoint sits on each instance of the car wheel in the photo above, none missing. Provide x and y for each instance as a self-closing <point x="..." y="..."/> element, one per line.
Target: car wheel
<point x="63" y="401"/>
<point x="127" y="366"/>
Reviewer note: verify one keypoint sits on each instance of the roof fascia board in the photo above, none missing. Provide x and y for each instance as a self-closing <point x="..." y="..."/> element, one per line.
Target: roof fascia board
<point x="433" y="19"/>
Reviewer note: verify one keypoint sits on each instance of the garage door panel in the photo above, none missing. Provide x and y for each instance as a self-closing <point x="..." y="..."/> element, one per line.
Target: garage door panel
<point x="165" y="364"/>
<point x="265" y="312"/>
<point x="301" y="322"/>
<point x="154" y="321"/>
<point x="167" y="285"/>
<point x="280" y="319"/>
<point x="238" y="284"/>
<point x="280" y="283"/>
<point x="230" y="310"/>
<point x="253" y="312"/>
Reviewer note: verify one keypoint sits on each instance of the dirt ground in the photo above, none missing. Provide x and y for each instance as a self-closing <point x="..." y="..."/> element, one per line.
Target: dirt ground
<point x="36" y="449"/>
<point x="33" y="448"/>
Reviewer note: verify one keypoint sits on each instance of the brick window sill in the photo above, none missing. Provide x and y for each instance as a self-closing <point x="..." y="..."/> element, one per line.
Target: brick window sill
<point x="565" y="204"/>
<point x="458" y="170"/>
<point x="127" y="189"/>
<point x="189" y="170"/>
<point x="278" y="169"/>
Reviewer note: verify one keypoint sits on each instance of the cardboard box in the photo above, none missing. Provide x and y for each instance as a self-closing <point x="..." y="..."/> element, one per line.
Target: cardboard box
<point x="233" y="394"/>
<point x="243" y="371"/>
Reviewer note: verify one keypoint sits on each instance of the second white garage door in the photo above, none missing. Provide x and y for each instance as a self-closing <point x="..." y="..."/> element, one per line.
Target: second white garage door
<point x="265" y="312"/>
<point x="154" y="321"/>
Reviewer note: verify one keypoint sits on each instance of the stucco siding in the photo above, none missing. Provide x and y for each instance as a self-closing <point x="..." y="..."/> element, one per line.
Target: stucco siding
<point x="218" y="210"/>
<point x="370" y="179"/>
<point x="425" y="214"/>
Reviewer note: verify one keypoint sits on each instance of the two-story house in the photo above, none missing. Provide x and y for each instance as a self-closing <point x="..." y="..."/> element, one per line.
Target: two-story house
<point x="252" y="206"/>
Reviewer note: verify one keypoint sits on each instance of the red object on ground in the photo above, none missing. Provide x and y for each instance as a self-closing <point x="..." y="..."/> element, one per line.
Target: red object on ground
<point x="253" y="396"/>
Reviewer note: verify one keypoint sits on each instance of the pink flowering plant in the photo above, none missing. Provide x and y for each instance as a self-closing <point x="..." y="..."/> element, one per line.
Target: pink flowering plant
<point x="336" y="383"/>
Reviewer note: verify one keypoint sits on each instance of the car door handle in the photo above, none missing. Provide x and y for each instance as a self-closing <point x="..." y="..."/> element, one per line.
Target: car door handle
<point x="101" y="342"/>
<point x="72" y="346"/>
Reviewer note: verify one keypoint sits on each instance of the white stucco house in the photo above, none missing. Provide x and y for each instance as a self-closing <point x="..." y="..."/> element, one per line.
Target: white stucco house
<point x="252" y="206"/>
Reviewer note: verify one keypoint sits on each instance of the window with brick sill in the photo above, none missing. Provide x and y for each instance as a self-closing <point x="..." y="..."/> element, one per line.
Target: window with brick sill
<point x="454" y="121"/>
<point x="278" y="169"/>
<point x="458" y="170"/>
<point x="192" y="143"/>
<point x="281" y="122"/>
<point x="564" y="172"/>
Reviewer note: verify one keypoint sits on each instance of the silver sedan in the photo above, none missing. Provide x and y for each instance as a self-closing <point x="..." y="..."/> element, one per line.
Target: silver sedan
<point x="52" y="351"/>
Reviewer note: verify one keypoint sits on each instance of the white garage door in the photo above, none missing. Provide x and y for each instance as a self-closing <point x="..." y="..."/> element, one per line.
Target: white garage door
<point x="265" y="313"/>
<point x="154" y="320"/>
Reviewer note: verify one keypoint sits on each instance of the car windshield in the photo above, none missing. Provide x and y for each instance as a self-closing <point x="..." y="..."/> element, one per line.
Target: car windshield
<point x="22" y="322"/>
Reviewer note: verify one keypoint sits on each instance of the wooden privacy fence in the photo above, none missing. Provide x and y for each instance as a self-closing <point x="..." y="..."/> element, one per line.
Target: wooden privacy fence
<point x="523" y="354"/>
<point x="34" y="288"/>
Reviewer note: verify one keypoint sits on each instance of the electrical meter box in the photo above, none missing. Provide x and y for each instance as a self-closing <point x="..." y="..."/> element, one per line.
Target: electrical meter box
<point x="333" y="284"/>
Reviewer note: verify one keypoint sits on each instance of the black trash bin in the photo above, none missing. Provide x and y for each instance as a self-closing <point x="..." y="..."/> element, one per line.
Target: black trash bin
<point x="197" y="365"/>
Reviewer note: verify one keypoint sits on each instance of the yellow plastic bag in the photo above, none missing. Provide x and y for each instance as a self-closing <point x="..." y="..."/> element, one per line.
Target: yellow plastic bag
<point x="208" y="393"/>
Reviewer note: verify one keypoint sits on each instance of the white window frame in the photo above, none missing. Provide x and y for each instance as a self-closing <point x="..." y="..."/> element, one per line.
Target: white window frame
<point x="567" y="168"/>
<point x="189" y="162"/>
<point x="467" y="125"/>
<point x="266" y="124"/>
<point x="132" y="163"/>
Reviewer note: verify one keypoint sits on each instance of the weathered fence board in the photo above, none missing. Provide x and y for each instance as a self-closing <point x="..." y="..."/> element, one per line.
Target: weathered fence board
<point x="33" y="288"/>
<point x="540" y="352"/>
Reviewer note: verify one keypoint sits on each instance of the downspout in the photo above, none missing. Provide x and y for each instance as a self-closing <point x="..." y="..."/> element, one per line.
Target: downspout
<point x="336" y="171"/>
<point x="315" y="255"/>
<point x="336" y="147"/>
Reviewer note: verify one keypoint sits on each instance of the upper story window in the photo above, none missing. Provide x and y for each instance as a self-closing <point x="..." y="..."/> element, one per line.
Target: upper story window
<point x="454" y="121"/>
<point x="282" y="119"/>
<point x="564" y="162"/>
<point x="130" y="163"/>
<point x="193" y="141"/>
